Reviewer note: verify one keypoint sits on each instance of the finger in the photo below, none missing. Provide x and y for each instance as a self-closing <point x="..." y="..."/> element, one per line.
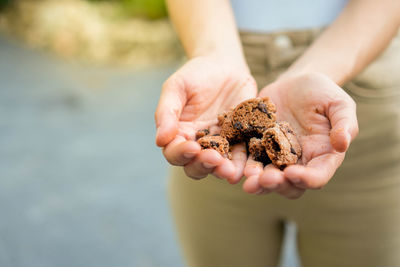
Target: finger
<point x="172" y="100"/>
<point x="204" y="163"/>
<point x="252" y="171"/>
<point x="252" y="186"/>
<point x="343" y="118"/>
<point x="239" y="157"/>
<point x="226" y="170"/>
<point x="271" y="177"/>
<point x="253" y="167"/>
<point x="273" y="180"/>
<point x="180" y="151"/>
<point x="317" y="173"/>
<point x="289" y="191"/>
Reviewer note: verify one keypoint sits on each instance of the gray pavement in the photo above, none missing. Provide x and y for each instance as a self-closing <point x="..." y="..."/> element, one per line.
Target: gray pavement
<point x="81" y="181"/>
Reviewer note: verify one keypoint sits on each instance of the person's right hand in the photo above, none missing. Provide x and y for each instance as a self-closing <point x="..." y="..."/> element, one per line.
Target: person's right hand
<point x="190" y="100"/>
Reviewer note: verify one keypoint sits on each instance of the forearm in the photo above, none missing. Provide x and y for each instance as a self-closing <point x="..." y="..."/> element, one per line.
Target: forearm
<point x="358" y="36"/>
<point x="206" y="27"/>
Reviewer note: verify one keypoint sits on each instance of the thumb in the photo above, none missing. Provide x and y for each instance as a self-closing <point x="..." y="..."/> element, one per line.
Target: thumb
<point x="169" y="109"/>
<point x="343" y="118"/>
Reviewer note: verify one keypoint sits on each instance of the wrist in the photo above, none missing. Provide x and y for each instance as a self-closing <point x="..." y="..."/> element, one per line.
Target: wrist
<point x="338" y="76"/>
<point x="304" y="74"/>
<point x="233" y="58"/>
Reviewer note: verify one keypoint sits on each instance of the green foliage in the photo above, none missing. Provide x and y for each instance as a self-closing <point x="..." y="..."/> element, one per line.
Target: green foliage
<point x="4" y="3"/>
<point x="152" y="9"/>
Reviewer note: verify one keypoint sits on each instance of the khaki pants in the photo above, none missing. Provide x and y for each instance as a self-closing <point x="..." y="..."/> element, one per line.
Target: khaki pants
<point x="353" y="221"/>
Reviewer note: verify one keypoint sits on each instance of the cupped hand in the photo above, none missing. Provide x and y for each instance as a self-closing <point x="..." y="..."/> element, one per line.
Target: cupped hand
<point x="190" y="100"/>
<point x="324" y="118"/>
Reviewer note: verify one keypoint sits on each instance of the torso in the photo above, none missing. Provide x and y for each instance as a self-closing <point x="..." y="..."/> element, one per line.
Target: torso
<point x="277" y="15"/>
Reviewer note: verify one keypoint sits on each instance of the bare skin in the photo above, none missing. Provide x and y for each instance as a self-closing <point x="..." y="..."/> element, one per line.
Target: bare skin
<point x="216" y="78"/>
<point x="325" y="122"/>
<point x="203" y="87"/>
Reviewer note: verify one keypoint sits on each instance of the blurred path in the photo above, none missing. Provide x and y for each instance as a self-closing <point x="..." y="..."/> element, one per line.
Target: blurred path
<point x="81" y="181"/>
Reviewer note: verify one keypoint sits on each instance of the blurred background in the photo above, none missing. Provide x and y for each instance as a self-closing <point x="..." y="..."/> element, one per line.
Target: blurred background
<point x="81" y="180"/>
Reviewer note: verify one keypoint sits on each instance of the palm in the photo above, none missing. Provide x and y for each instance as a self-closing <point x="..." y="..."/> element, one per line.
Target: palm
<point x="191" y="100"/>
<point x="323" y="117"/>
<point x="305" y="109"/>
<point x="211" y="91"/>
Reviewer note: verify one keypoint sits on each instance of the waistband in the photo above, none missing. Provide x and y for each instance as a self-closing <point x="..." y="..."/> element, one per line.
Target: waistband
<point x="273" y="51"/>
<point x="268" y="55"/>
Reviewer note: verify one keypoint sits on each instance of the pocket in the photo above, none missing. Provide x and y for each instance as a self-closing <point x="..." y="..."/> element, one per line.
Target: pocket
<point x="380" y="81"/>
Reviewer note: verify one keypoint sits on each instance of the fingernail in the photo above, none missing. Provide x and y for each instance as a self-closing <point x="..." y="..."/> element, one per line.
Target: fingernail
<point x="189" y="155"/>
<point x="208" y="165"/>
<point x="259" y="191"/>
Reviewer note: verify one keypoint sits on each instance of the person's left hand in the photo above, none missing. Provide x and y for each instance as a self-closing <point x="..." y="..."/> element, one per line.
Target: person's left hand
<point x="324" y="118"/>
